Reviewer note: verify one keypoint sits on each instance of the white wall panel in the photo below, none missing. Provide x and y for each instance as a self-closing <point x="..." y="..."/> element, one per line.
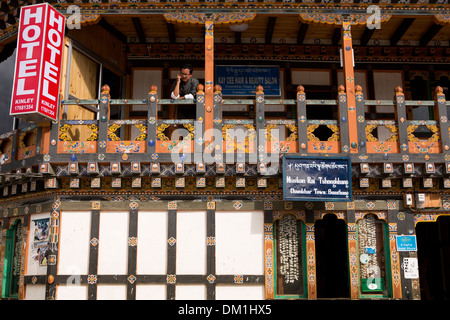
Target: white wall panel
<point x="35" y="292"/>
<point x="385" y="83"/>
<point x="152" y="242"/>
<point x="190" y="292"/>
<point x="72" y="292"/>
<point x="142" y="80"/>
<point x="111" y="292"/>
<point x="240" y="242"/>
<point x="240" y="292"/>
<point x="151" y="291"/>
<point x="74" y="244"/>
<point x="113" y="243"/>
<point x="191" y="242"/>
<point x="311" y="77"/>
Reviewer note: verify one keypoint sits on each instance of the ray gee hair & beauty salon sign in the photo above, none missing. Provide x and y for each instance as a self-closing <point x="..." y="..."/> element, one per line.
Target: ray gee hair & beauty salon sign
<point x="316" y="178"/>
<point x="38" y="63"/>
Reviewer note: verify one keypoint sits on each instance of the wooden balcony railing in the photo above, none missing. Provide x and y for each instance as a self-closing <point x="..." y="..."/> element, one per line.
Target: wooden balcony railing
<point x="154" y="139"/>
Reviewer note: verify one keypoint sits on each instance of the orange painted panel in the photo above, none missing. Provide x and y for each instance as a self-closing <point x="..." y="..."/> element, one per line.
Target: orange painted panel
<point x="77" y="147"/>
<point x="171" y="146"/>
<point x="126" y="147"/>
<point x="425" y="147"/>
<point x="26" y="152"/>
<point x="324" y="146"/>
<point x="382" y="147"/>
<point x="282" y="146"/>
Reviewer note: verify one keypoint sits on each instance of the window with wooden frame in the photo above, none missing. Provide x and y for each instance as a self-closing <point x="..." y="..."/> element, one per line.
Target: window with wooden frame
<point x="373" y="252"/>
<point x="289" y="235"/>
<point x="12" y="262"/>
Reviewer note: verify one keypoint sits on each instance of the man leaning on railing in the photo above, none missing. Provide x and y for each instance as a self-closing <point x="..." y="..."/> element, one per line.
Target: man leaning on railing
<point x="185" y="87"/>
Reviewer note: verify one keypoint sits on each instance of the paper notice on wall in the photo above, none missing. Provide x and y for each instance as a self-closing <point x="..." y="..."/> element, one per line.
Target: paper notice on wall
<point x="411" y="268"/>
<point x="39" y="245"/>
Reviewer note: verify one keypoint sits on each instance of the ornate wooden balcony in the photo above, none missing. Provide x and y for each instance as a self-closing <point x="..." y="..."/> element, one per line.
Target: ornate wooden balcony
<point x="265" y="139"/>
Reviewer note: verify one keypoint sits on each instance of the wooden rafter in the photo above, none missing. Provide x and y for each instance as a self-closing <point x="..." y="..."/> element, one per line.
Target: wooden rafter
<point x="428" y="36"/>
<point x="366" y="36"/>
<point x="237" y="37"/>
<point x="139" y="29"/>
<point x="171" y="32"/>
<point x="401" y="30"/>
<point x="302" y="32"/>
<point x="270" y="29"/>
<point x="116" y="33"/>
<point x="336" y="36"/>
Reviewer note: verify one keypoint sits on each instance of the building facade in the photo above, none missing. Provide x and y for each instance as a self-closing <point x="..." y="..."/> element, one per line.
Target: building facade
<point x="130" y="194"/>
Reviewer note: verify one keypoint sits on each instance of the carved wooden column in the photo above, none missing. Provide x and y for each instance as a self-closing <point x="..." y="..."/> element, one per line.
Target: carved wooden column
<point x="349" y="78"/>
<point x="209" y="76"/>
<point x="269" y="271"/>
<point x="311" y="261"/>
<point x="152" y="118"/>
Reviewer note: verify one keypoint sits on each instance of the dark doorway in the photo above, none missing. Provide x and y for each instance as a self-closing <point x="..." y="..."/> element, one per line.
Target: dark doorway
<point x="433" y="245"/>
<point x="331" y="258"/>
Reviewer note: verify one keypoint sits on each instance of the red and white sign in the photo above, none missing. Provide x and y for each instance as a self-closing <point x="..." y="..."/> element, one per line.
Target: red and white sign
<point x="38" y="63"/>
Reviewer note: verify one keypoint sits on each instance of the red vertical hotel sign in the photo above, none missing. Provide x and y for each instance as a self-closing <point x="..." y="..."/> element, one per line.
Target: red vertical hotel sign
<point x="38" y="63"/>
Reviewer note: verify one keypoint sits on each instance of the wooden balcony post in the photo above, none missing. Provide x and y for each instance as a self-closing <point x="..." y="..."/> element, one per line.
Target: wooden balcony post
<point x="209" y="75"/>
<point x="349" y="78"/>
<point x="441" y="108"/>
<point x="152" y="117"/>
<point x="104" y="119"/>
<point x="261" y="143"/>
<point x="199" y="128"/>
<point x="344" y="123"/>
<point x="361" y="120"/>
<point x="218" y="121"/>
<point x="400" y="116"/>
<point x="53" y="135"/>
<point x="302" y="121"/>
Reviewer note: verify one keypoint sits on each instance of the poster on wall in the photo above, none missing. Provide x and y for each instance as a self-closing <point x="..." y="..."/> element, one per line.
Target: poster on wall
<point x="316" y="178"/>
<point x="39" y="244"/>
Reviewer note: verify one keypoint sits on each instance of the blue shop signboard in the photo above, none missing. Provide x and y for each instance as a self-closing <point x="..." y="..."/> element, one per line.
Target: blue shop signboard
<point x="316" y="178"/>
<point x="406" y="243"/>
<point x="243" y="80"/>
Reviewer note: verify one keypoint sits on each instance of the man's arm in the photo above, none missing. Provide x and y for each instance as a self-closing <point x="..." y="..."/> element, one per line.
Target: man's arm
<point x="175" y="94"/>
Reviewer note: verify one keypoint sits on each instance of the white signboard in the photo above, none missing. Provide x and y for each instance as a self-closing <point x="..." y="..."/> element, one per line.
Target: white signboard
<point x="411" y="268"/>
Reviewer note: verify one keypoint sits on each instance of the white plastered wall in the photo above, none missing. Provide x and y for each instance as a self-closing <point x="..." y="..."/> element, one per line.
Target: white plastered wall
<point x="240" y="250"/>
<point x="191" y="242"/>
<point x="73" y="259"/>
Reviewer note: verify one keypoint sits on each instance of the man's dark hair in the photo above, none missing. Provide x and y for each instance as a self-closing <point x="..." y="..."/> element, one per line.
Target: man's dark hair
<point x="187" y="66"/>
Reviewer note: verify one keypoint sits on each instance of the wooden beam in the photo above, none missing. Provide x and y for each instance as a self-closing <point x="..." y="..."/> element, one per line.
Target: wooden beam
<point x="366" y="36"/>
<point x="401" y="30"/>
<point x="171" y="32"/>
<point x="119" y="35"/>
<point x="349" y="79"/>
<point x="209" y="79"/>
<point x="139" y="29"/>
<point x="237" y="37"/>
<point x="269" y="29"/>
<point x="336" y="36"/>
<point x="302" y="32"/>
<point x="429" y="35"/>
